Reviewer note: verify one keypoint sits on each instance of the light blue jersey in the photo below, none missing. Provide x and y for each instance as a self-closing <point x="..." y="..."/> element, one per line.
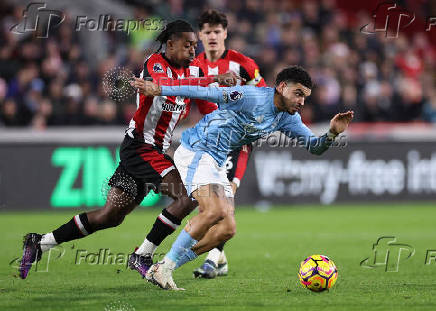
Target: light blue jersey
<point x="244" y="114"/>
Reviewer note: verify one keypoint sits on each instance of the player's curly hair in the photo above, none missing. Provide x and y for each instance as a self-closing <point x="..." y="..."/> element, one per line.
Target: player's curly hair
<point x="212" y="17"/>
<point x="173" y="30"/>
<point x="294" y="74"/>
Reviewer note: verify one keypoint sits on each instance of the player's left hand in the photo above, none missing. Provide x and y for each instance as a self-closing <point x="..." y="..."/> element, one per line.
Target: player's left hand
<point x="340" y="121"/>
<point x="148" y="88"/>
<point x="229" y="78"/>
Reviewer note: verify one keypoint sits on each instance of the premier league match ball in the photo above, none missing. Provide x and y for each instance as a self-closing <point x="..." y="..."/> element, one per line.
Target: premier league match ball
<point x="318" y="273"/>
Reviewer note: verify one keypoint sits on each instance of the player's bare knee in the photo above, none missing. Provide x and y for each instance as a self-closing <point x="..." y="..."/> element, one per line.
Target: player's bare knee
<point x="181" y="207"/>
<point x="187" y="206"/>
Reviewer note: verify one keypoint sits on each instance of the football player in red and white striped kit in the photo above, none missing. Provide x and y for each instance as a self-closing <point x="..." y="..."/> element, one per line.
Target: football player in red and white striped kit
<point x="144" y="164"/>
<point x="216" y="59"/>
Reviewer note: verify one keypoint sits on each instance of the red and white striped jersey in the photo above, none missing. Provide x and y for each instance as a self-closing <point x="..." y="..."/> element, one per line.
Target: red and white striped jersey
<point x="231" y="61"/>
<point x="157" y="116"/>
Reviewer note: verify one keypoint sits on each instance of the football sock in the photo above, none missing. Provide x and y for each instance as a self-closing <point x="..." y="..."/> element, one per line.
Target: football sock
<point x="187" y="256"/>
<point x="146" y="248"/>
<point x="47" y="241"/>
<point x="214" y="255"/>
<point x="182" y="245"/>
<point x="78" y="227"/>
<point x="164" y="225"/>
<point x="221" y="246"/>
<point x="223" y="258"/>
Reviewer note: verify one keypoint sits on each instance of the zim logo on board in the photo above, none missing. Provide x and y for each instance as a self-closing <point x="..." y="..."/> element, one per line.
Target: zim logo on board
<point x="235" y="95"/>
<point x="158" y="68"/>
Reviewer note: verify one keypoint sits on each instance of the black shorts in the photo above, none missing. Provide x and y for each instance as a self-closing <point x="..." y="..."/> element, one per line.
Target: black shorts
<point x="141" y="168"/>
<point x="236" y="163"/>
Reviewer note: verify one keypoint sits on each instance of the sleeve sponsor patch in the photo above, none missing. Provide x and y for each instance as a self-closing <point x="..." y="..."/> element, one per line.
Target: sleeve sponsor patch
<point x="225" y="97"/>
<point x="257" y="78"/>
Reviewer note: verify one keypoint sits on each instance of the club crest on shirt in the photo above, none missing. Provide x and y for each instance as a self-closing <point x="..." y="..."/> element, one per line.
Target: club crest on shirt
<point x="158" y="68"/>
<point x="235" y="95"/>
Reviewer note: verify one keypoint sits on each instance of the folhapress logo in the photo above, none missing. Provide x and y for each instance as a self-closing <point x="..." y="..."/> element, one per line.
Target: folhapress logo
<point x="390" y="19"/>
<point x="388" y="254"/>
<point x="38" y="19"/>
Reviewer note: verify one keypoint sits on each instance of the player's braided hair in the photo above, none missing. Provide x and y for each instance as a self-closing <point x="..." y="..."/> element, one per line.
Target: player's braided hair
<point x="173" y="28"/>
<point x="295" y="74"/>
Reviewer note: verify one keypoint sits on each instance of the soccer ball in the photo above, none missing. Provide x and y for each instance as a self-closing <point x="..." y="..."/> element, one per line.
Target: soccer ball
<point x="317" y="273"/>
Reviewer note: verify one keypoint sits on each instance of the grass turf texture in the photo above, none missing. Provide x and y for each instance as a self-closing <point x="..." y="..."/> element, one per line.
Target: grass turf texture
<point x="263" y="261"/>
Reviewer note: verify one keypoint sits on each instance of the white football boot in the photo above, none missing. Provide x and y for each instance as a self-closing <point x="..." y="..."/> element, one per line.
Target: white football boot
<point x="162" y="276"/>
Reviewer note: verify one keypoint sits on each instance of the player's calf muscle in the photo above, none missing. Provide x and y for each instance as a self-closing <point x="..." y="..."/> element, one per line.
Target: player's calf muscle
<point x="213" y="208"/>
<point x="107" y="217"/>
<point x="114" y="211"/>
<point x="219" y="233"/>
<point x="226" y="229"/>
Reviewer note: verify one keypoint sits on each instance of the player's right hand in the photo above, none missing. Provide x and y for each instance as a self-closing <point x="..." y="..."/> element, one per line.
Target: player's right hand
<point x="340" y="122"/>
<point x="228" y="79"/>
<point x="148" y="88"/>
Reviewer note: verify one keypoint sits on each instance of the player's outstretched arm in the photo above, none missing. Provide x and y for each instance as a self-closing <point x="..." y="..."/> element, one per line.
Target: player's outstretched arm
<point x="212" y="94"/>
<point x="149" y="88"/>
<point x="295" y="128"/>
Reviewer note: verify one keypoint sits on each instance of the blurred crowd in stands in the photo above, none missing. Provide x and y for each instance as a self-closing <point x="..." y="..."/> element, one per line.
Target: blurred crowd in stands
<point x="51" y="82"/>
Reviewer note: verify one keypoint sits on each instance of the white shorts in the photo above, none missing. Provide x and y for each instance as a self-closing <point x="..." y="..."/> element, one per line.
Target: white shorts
<point x="198" y="168"/>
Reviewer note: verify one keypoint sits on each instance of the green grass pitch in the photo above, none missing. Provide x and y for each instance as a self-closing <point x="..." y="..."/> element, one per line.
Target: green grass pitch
<point x="263" y="263"/>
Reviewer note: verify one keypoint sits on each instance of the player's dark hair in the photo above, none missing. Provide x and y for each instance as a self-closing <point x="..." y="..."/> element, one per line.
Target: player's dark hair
<point x="212" y="17"/>
<point x="294" y="74"/>
<point x="173" y="30"/>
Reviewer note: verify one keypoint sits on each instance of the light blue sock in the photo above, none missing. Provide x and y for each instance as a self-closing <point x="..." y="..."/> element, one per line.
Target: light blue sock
<point x="183" y="243"/>
<point x="187" y="256"/>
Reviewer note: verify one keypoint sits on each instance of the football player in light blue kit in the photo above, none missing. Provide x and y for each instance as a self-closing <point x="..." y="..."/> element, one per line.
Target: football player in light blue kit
<point x="245" y="114"/>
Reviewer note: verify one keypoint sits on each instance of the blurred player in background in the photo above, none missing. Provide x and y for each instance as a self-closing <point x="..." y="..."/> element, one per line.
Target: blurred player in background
<point x="216" y="59"/>
<point x="144" y="164"/>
